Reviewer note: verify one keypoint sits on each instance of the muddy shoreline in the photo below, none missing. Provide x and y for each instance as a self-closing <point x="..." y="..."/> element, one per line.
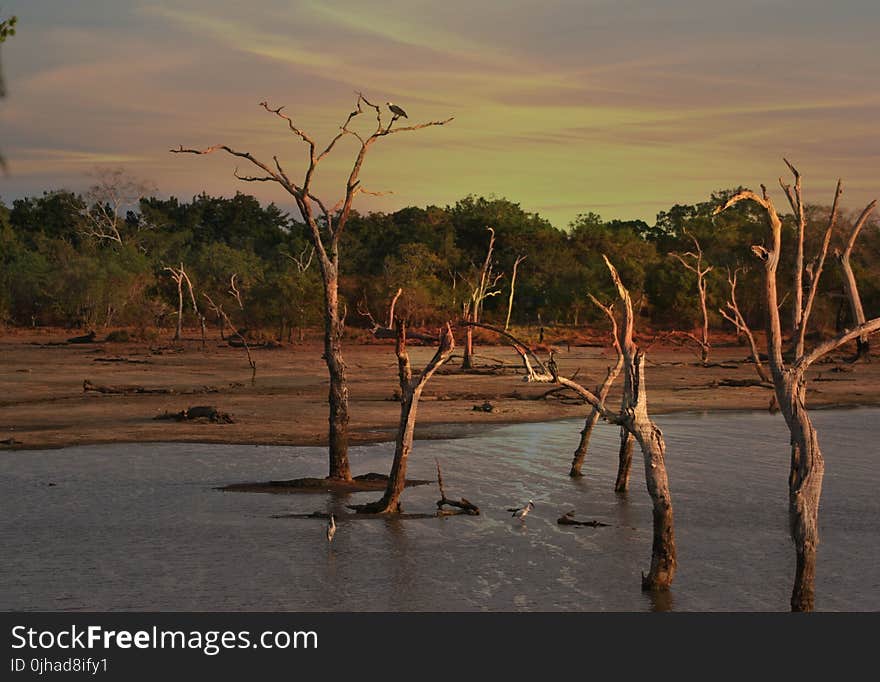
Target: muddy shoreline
<point x="43" y="404"/>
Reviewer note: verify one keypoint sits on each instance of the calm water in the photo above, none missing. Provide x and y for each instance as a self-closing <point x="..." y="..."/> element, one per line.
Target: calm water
<point x="140" y="527"/>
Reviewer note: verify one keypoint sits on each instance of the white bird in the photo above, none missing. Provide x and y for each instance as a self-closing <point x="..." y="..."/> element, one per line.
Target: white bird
<point x="522" y="512"/>
<point x="396" y="110"/>
<point x="331" y="529"/>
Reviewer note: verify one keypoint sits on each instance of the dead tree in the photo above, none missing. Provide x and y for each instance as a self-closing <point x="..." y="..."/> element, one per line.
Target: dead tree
<point x="693" y="261"/>
<point x="516" y="263"/>
<point x="601" y="391"/>
<point x="732" y="313"/>
<point x="482" y="287"/>
<point x="863" y="348"/>
<point x="789" y="378"/>
<point x="325" y="225"/>
<point x="410" y="392"/>
<point x="180" y="278"/>
<point x="221" y="314"/>
<point x="635" y="419"/>
<point x="113" y="191"/>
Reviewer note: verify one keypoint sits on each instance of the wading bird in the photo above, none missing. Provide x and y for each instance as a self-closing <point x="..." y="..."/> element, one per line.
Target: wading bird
<point x="331" y="529"/>
<point x="396" y="110"/>
<point x="522" y="512"/>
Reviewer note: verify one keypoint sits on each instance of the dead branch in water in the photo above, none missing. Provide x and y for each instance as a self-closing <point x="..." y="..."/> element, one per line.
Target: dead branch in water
<point x="462" y="506"/>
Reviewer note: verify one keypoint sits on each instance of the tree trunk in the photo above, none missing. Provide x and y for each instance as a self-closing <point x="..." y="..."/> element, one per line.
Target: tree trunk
<point x="468" y="361"/>
<point x="804" y="490"/>
<point x="580" y="454"/>
<point x="650" y="439"/>
<point x="857" y="312"/>
<point x="338" y="396"/>
<point x="411" y="393"/>
<point x="624" y="465"/>
<point x="179" y="332"/>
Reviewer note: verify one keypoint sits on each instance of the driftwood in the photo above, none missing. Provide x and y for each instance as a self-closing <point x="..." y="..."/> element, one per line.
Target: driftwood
<point x="461" y="506"/>
<point x="568" y="519"/>
<point x="130" y="361"/>
<point x="120" y="389"/>
<point x="134" y="389"/>
<point x="199" y="413"/>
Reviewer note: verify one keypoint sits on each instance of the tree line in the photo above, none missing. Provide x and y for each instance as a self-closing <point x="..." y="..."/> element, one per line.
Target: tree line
<point x="62" y="264"/>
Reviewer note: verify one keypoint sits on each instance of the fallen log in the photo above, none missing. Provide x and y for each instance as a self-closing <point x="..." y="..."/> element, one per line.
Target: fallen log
<point x="85" y="338"/>
<point x="199" y="413"/>
<point x="88" y="386"/>
<point x="131" y="361"/>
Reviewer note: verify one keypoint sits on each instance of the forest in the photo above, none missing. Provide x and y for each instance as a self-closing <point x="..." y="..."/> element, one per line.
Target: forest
<point x="89" y="261"/>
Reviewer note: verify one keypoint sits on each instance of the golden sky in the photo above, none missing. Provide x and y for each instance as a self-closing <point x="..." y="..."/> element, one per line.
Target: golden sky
<point x="622" y="107"/>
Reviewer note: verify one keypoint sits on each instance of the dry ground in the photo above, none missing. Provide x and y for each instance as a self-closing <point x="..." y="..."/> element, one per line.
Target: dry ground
<point x="42" y="403"/>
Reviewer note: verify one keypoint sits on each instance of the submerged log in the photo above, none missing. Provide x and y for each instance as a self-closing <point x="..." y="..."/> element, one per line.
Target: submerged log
<point x="568" y="519"/>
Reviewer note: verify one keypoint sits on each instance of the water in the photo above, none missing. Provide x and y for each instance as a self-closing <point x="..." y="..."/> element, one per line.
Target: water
<point x="140" y="527"/>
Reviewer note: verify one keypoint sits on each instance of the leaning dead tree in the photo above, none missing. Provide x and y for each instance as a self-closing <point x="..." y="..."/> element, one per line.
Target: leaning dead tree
<point x="601" y="392"/>
<point x="482" y="287"/>
<point x="693" y="261"/>
<point x="410" y="393"/>
<point x="326" y="224"/>
<point x="789" y="377"/>
<point x="863" y="348"/>
<point x="635" y="419"/>
<point x="516" y="263"/>
<point x="222" y="315"/>
<point x="180" y="278"/>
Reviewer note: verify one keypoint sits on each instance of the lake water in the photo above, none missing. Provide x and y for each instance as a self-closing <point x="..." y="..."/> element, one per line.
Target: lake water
<point x="140" y="527"/>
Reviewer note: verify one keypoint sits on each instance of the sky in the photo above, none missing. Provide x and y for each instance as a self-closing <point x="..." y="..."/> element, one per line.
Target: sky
<point x="620" y="107"/>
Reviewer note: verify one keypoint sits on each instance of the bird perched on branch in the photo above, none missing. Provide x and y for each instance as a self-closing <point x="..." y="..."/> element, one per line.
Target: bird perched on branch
<point x="522" y="512"/>
<point x="396" y="110"/>
<point x="331" y="528"/>
<point x="552" y="367"/>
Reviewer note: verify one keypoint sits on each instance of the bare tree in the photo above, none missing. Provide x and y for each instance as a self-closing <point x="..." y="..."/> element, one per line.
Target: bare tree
<point x="222" y="315"/>
<point x="180" y="278"/>
<point x="516" y="263"/>
<point x="601" y="392"/>
<point x="693" y="261"/>
<point x="733" y="314"/>
<point x="863" y="348"/>
<point x="325" y="225"/>
<point x="635" y="419"/>
<point x="482" y="287"/>
<point x="113" y="191"/>
<point x="790" y="381"/>
<point x="410" y="393"/>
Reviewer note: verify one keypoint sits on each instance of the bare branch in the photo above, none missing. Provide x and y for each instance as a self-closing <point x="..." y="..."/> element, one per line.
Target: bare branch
<point x="866" y="329"/>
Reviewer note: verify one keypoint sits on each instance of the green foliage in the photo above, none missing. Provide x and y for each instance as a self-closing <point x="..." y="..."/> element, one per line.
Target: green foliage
<point x="52" y="274"/>
<point x="7" y="28"/>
